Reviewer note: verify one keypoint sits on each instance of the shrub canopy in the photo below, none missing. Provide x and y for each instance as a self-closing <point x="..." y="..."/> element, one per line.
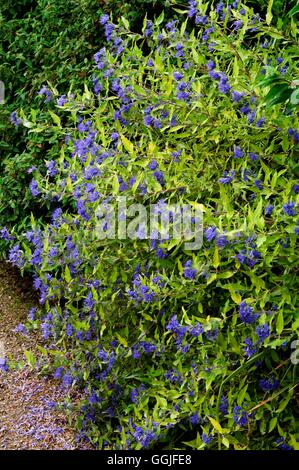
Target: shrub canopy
<point x="172" y="347"/>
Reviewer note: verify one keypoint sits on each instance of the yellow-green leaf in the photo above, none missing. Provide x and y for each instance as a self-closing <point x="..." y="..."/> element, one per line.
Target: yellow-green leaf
<point x="216" y="258"/>
<point x="67" y="274"/>
<point x="269" y="15"/>
<point x="279" y="323"/>
<point x="216" y="425"/>
<point x="127" y="144"/>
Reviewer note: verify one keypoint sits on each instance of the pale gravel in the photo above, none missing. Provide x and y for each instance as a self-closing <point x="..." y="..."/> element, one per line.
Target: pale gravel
<point x="29" y="418"/>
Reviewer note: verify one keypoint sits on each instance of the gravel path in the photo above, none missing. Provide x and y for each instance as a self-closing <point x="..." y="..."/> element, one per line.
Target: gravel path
<point x="28" y="416"/>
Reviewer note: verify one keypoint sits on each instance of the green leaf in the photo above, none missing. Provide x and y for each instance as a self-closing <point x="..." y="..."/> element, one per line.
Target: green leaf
<point x="278" y="94"/>
<point x="216" y="258"/>
<point x="56" y="119"/>
<point x="235" y="296"/>
<point x="272" y="424"/>
<point x="279" y="322"/>
<point x="269" y="15"/>
<point x="294" y="11"/>
<point x="125" y="23"/>
<point x="270" y="80"/>
<point x="241" y="395"/>
<point x="212" y="278"/>
<point x="216" y="425"/>
<point x="127" y="144"/>
<point x="225" y="442"/>
<point x="30" y="358"/>
<point x="295" y="325"/>
<point x="160" y="19"/>
<point x="122" y="340"/>
<point x="67" y="274"/>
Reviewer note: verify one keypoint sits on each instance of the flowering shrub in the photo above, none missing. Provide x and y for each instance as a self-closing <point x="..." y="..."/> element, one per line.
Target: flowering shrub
<point x="172" y="347"/>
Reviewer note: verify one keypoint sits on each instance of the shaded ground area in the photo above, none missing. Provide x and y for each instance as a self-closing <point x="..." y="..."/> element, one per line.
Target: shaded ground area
<point x="28" y="416"/>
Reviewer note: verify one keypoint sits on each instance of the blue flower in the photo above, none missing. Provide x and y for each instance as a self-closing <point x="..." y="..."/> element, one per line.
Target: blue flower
<point x="97" y="86"/>
<point x="173" y="376"/>
<point x="103" y="355"/>
<point x="192" y="11"/>
<point x="223" y="405"/>
<point x="176" y="155"/>
<point x="32" y="313"/>
<point x="189" y="272"/>
<point x="237" y="24"/>
<point x="16" y="256"/>
<point x="238" y="152"/>
<point x="253" y="156"/>
<point x="263" y="332"/>
<point x="211" y="233"/>
<point x="104" y="19"/>
<point x="44" y="91"/>
<point x="153" y="165"/>
<point x="14" y="119"/>
<point x="224" y="86"/>
<point x="245" y="109"/>
<point x="134" y="395"/>
<point x="221" y="241"/>
<point x="289" y="208"/>
<point x="194" y="419"/>
<point x="148" y="120"/>
<point x="240" y="416"/>
<point x="3" y="365"/>
<point x="260" y="122"/>
<point x="69" y="329"/>
<point x="207" y="33"/>
<point x="4" y="234"/>
<point x="201" y="19"/>
<point x="58" y="373"/>
<point x="114" y="136"/>
<point x="206" y="439"/>
<point x="147" y="347"/>
<point x="183" y="95"/>
<point x="237" y="96"/>
<point x="214" y="75"/>
<point x="227" y="177"/>
<point x="109" y="28"/>
<point x="268" y="385"/>
<point x="159" y="176"/>
<point x="196" y="330"/>
<point x="269" y="209"/>
<point x="246" y="313"/>
<point x="149" y="29"/>
<point x="68" y="380"/>
<point x="34" y="188"/>
<point x="282" y="445"/>
<point x="250" y="348"/>
<point x="211" y="65"/>
<point x="161" y="254"/>
<point x="171" y="26"/>
<point x="219" y="7"/>
<point x="258" y="184"/>
<point x="178" y="76"/>
<point x="173" y="325"/>
<point x="52" y="170"/>
<point x="62" y="100"/>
